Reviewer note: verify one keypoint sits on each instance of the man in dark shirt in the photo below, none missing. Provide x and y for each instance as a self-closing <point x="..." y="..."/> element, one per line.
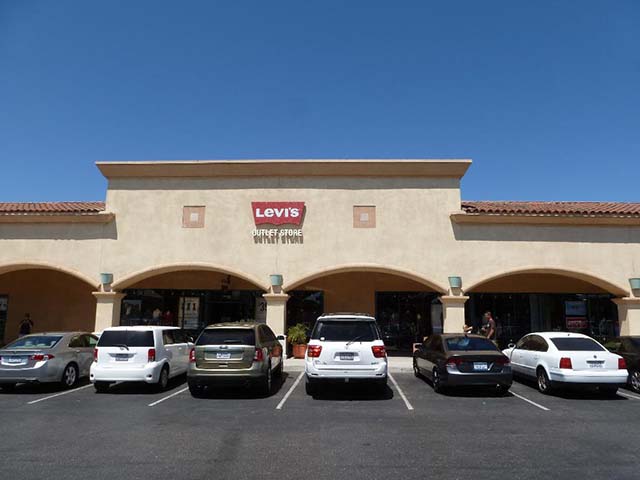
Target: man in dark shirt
<point x="488" y="326"/>
<point x="26" y="325"/>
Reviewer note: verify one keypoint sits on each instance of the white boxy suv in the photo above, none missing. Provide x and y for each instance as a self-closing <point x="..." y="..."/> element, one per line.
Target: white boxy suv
<point x="139" y="354"/>
<point x="345" y="347"/>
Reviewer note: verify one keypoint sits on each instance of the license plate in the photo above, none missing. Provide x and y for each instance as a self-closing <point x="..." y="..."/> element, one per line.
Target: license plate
<point x="346" y="356"/>
<point x="480" y="366"/>
<point x="13" y="360"/>
<point x="223" y="355"/>
<point x="122" y="357"/>
<point x="596" y="364"/>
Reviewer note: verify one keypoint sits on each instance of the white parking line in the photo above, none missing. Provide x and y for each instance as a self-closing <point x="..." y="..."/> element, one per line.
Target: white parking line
<point x="58" y="394"/>
<point x="529" y="401"/>
<point x="406" y="402"/>
<point x="293" y="387"/>
<point x="169" y="396"/>
<point x="628" y="395"/>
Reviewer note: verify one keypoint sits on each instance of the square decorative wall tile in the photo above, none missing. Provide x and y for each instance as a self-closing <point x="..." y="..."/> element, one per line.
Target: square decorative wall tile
<point x="193" y="217"/>
<point x="364" y="216"/>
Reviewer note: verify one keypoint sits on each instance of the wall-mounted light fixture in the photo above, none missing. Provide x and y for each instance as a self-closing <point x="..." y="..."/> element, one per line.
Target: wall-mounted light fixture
<point x="635" y="283"/>
<point x="276" y="280"/>
<point x="455" y="282"/>
<point x="106" y="279"/>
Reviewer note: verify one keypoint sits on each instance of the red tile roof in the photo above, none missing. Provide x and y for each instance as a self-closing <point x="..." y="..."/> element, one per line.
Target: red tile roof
<point x="51" y="208"/>
<point x="599" y="209"/>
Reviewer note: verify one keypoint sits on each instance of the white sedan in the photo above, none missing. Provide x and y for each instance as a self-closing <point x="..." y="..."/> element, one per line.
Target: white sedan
<point x="559" y="359"/>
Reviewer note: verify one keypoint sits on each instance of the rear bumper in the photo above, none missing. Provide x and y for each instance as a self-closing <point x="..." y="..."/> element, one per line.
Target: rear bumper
<point x="38" y="374"/>
<point x="341" y="372"/>
<point x="456" y="378"/>
<point x="240" y="376"/>
<point x="580" y="377"/>
<point x="149" y="373"/>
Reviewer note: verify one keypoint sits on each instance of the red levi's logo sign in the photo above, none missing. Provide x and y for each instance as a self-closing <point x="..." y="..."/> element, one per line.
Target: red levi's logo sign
<point x="278" y="213"/>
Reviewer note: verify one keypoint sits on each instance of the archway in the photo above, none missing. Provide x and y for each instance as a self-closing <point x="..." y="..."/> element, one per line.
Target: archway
<point x="56" y="299"/>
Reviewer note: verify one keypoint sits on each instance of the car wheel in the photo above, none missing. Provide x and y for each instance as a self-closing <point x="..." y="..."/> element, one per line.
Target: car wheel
<point x="163" y="380"/>
<point x="416" y="369"/>
<point x="69" y="376"/>
<point x="8" y="387"/>
<point x="544" y="384"/>
<point x="608" y="391"/>
<point x="310" y="387"/>
<point x="101" y="387"/>
<point x="502" y="389"/>
<point x="436" y="381"/>
<point x="267" y="381"/>
<point x="196" y="390"/>
<point x="278" y="372"/>
<point x="635" y="381"/>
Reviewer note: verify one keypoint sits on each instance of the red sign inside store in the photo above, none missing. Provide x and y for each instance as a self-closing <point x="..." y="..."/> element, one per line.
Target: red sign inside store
<point x="278" y="213"/>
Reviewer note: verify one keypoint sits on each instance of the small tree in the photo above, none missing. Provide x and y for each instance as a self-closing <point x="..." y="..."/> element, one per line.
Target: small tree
<point x="297" y="334"/>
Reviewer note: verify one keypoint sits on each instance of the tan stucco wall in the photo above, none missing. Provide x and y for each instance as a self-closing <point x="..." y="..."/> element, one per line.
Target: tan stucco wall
<point x="54" y="300"/>
<point x="189" y="280"/>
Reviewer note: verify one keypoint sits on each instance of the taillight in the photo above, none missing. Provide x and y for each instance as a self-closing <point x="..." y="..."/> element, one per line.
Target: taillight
<point x="379" y="351"/>
<point x="259" y="355"/>
<point x="192" y="355"/>
<point x="565" y="362"/>
<point x="95" y="354"/>
<point x="622" y="365"/>
<point x="313" y="351"/>
<point x="38" y="357"/>
<point x="453" y="361"/>
<point x="151" y="355"/>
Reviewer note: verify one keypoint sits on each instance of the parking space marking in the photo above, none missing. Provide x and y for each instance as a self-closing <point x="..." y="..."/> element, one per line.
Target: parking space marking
<point x="541" y="407"/>
<point x="58" y="394"/>
<point x="293" y="387"/>
<point x="628" y="395"/>
<point x="406" y="402"/>
<point x="168" y="397"/>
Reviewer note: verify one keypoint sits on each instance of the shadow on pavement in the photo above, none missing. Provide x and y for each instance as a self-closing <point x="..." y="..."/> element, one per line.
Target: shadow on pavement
<point x="347" y="392"/>
<point x="40" y="388"/>
<point x="574" y="393"/>
<point x="240" y="392"/>
<point x="141" y="388"/>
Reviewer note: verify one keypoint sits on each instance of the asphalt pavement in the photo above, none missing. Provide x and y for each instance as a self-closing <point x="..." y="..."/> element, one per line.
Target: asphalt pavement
<point x="348" y="431"/>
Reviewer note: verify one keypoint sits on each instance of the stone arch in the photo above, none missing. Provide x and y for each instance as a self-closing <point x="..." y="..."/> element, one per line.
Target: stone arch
<point x="366" y="267"/>
<point x="606" y="285"/>
<point x="140" y="275"/>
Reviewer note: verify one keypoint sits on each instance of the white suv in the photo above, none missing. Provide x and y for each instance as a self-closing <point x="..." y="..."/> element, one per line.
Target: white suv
<point x="139" y="354"/>
<point x="345" y="347"/>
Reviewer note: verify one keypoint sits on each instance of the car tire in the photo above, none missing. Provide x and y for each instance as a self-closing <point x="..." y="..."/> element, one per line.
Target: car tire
<point x="542" y="380"/>
<point x="101" y="387"/>
<point x="310" y="388"/>
<point x="381" y="385"/>
<point x="163" y="379"/>
<point x="634" y="381"/>
<point x="502" y="390"/>
<point x="70" y="376"/>
<point x="196" y="390"/>
<point x="436" y="381"/>
<point x="416" y="369"/>
<point x="266" y="384"/>
<point x="610" y="392"/>
<point x="279" y="370"/>
<point x="8" y="387"/>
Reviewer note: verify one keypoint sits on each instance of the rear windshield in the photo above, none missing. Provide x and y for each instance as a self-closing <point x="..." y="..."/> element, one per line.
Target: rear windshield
<point x="130" y="338"/>
<point x="35" y="341"/>
<point x="227" y="336"/>
<point x="465" y="344"/>
<point x="635" y="341"/>
<point x="577" y="345"/>
<point x="345" y="331"/>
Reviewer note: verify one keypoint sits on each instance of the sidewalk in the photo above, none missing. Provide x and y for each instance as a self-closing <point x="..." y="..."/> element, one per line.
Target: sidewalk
<point x="396" y="364"/>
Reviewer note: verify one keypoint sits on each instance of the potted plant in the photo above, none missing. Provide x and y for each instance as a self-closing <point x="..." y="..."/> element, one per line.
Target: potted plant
<point x="297" y="335"/>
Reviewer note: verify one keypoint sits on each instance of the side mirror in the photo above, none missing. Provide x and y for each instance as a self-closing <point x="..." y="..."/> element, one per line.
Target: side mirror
<point x="511" y="345"/>
<point x="280" y="337"/>
<point x="190" y="339"/>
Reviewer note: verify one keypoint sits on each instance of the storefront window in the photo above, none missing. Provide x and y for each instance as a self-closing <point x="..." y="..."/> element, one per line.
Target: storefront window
<point x="4" y="311"/>
<point x="404" y="318"/>
<point x="304" y="307"/>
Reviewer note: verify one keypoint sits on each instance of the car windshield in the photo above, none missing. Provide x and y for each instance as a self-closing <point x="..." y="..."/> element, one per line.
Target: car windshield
<point x="227" y="336"/>
<point x="456" y="344"/>
<point x="35" y="341"/>
<point x="345" y="331"/>
<point x="577" y="344"/>
<point x="129" y="338"/>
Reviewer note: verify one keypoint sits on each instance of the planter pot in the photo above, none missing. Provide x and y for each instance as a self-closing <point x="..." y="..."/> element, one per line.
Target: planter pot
<point x="299" y="350"/>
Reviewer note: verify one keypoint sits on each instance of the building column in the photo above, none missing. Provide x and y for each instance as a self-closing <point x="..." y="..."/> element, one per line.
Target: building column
<point x="277" y="312"/>
<point x="628" y="315"/>
<point x="453" y="313"/>
<point x="107" y="309"/>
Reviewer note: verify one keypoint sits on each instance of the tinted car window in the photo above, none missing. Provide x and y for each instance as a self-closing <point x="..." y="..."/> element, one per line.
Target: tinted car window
<point x="522" y="343"/>
<point x="77" y="342"/>
<point x="576" y="344"/>
<point x="345" y="331"/>
<point x="91" y="341"/>
<point x="633" y="344"/>
<point x="130" y="338"/>
<point x="179" y="336"/>
<point x="222" y="336"/>
<point x="35" y="341"/>
<point x="538" y="344"/>
<point x="464" y="344"/>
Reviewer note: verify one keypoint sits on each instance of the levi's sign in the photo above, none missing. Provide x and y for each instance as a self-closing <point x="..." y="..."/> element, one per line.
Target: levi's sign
<point x="277" y="213"/>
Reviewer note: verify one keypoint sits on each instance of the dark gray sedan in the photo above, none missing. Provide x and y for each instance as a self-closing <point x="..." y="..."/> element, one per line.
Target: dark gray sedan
<point x="52" y="357"/>
<point x="458" y="359"/>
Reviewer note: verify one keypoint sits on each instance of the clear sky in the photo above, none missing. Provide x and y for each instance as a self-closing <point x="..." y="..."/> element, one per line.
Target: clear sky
<point x="543" y="96"/>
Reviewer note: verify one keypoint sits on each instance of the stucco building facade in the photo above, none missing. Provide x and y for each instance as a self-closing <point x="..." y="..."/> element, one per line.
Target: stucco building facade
<point x="191" y="243"/>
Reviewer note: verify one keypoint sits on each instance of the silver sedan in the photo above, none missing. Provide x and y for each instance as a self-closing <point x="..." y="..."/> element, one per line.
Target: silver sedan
<point x="61" y="357"/>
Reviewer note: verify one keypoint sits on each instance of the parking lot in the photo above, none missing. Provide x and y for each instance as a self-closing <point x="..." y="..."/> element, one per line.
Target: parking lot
<point x="349" y="431"/>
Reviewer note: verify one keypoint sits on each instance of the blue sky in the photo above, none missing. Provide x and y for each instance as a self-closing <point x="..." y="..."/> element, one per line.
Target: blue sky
<point x="543" y="96"/>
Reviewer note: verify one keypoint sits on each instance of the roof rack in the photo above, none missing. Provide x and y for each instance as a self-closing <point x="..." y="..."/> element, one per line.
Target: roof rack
<point x="355" y="314"/>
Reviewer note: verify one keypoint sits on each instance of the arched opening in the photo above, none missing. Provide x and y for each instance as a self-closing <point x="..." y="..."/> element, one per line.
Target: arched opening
<point x="539" y="299"/>
<point x="54" y="298"/>
<point x="190" y="297"/>
<point x="406" y="308"/>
